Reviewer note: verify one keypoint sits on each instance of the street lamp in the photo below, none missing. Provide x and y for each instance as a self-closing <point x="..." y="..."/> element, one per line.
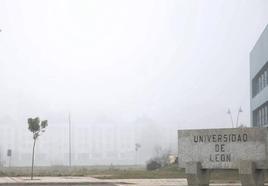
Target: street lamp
<point x="239" y="110"/>
<point x="70" y="141"/>
<point x="230" y="113"/>
<point x="237" y="118"/>
<point x="137" y="146"/>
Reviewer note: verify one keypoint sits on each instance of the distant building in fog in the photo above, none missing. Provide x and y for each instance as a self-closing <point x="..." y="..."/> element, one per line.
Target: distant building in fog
<point x="102" y="142"/>
<point x="92" y="144"/>
<point x="259" y="82"/>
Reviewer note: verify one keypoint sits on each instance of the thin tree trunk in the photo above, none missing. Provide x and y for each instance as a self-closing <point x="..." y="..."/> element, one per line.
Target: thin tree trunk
<point x="33" y="159"/>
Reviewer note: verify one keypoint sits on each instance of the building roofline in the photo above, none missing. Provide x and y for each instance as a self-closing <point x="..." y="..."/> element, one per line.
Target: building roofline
<point x="259" y="38"/>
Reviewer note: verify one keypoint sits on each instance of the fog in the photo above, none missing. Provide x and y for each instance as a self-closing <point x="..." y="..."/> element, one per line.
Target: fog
<point x="127" y="72"/>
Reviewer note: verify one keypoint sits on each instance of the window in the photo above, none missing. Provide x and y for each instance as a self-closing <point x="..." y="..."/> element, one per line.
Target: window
<point x="259" y="88"/>
<point x="265" y="78"/>
<point x="260" y="115"/>
<point x="260" y="81"/>
<point x="265" y="115"/>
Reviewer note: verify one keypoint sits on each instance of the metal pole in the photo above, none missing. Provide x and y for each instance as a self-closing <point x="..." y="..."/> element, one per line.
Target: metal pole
<point x="232" y="120"/>
<point x="237" y="119"/>
<point x="230" y="113"/>
<point x="136" y="158"/>
<point x="9" y="161"/>
<point x="70" y="141"/>
<point x="239" y="110"/>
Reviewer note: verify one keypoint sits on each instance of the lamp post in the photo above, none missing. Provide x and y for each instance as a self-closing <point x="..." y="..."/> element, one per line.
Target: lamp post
<point x="70" y="141"/>
<point x="9" y="154"/>
<point x="239" y="110"/>
<point x="237" y="117"/>
<point x="230" y="113"/>
<point x="137" y="146"/>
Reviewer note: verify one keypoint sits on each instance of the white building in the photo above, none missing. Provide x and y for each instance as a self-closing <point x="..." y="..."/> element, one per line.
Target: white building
<point x="259" y="81"/>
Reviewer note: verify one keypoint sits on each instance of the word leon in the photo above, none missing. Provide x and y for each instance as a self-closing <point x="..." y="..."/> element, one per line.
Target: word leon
<point x="221" y="138"/>
<point x="220" y="154"/>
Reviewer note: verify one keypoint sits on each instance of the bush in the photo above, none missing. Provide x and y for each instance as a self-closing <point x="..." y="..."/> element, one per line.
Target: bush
<point x="153" y="165"/>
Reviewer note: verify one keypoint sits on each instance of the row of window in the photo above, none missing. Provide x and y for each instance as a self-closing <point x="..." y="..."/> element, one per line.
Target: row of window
<point x="260" y="116"/>
<point x="260" y="81"/>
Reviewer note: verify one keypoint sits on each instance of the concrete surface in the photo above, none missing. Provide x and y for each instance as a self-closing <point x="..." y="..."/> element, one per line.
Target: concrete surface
<point x="223" y="148"/>
<point x="76" y="181"/>
<point x="69" y="181"/>
<point x="196" y="176"/>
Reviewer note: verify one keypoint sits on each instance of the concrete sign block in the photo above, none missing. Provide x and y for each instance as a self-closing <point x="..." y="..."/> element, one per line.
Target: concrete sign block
<point x="223" y="148"/>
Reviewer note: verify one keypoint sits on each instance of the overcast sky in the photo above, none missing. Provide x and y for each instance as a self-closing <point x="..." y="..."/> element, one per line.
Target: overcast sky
<point x="183" y="62"/>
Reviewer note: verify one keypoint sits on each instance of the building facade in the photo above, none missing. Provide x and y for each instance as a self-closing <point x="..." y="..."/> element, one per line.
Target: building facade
<point x="259" y="81"/>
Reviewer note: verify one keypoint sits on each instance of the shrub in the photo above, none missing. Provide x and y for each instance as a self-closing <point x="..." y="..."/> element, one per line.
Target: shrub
<point x="153" y="165"/>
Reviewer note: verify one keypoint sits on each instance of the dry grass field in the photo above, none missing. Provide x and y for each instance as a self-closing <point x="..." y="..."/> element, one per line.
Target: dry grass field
<point x="115" y="172"/>
<point x="102" y="172"/>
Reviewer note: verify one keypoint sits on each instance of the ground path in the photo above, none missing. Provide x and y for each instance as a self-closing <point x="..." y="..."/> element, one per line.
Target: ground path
<point x="80" y="181"/>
